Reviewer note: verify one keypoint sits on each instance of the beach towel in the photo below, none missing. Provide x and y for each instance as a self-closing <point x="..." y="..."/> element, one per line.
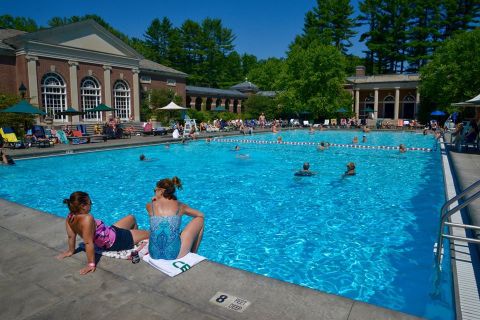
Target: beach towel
<point x="174" y="267"/>
<point x="123" y="254"/>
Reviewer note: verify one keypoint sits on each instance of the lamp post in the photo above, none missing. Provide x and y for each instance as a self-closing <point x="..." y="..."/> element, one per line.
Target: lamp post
<point x="23" y="90"/>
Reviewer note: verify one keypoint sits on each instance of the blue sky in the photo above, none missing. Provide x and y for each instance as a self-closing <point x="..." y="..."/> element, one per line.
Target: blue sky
<point x="263" y="28"/>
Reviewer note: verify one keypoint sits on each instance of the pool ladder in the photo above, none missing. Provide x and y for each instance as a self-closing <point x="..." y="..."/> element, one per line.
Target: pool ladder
<point x="446" y="213"/>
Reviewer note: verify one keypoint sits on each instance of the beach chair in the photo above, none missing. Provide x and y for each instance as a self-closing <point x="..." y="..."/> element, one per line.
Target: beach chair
<point x="10" y="139"/>
<point x="399" y="123"/>
<point x="306" y="123"/>
<point x="83" y="129"/>
<point x="61" y="136"/>
<point x="148" y="128"/>
<point x="326" y="123"/>
<point x="343" y="123"/>
<point x="333" y="123"/>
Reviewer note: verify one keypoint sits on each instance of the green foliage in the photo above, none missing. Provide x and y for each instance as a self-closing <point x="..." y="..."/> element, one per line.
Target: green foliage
<point x="452" y="74"/>
<point x="265" y="73"/>
<point x="313" y="81"/>
<point x="255" y="105"/>
<point x="330" y="23"/>
<point x="19" y="23"/>
<point x="17" y="121"/>
<point x="159" y="98"/>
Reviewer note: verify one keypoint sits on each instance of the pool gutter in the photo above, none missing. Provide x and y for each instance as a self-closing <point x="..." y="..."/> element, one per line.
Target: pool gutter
<point x="466" y="293"/>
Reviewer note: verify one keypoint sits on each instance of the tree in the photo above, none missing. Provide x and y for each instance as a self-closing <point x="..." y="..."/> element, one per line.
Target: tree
<point x="313" y="80"/>
<point x="159" y="98"/>
<point x="157" y="38"/>
<point x="265" y="74"/>
<point x="249" y="61"/>
<point x="256" y="104"/>
<point x="19" y="23"/>
<point x="452" y="74"/>
<point x="330" y="22"/>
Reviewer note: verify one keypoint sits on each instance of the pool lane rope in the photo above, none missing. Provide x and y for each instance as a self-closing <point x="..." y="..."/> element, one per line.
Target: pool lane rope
<point x="299" y="143"/>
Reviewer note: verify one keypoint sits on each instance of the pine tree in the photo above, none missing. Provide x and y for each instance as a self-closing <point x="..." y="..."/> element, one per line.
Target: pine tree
<point x="330" y="23"/>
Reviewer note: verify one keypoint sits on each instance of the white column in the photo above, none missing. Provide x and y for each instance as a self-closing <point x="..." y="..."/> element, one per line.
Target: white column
<point x="73" y="65"/>
<point x="357" y="103"/>
<point x="417" y="103"/>
<point x="107" y="85"/>
<point x="32" y="79"/>
<point x="397" y="102"/>
<point x="136" y="94"/>
<point x="375" y="103"/>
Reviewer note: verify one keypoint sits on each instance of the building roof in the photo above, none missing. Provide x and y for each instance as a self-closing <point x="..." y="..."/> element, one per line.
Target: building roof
<point x="384" y="78"/>
<point x="269" y="94"/>
<point x="149" y="65"/>
<point x="245" y="86"/>
<point x="213" y="92"/>
<point x="8" y="33"/>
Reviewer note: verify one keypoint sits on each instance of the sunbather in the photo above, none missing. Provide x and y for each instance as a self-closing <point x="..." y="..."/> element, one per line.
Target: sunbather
<point x="165" y="211"/>
<point x="122" y="235"/>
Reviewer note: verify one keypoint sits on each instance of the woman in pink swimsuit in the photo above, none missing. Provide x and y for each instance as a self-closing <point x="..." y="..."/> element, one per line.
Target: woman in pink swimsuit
<point x="122" y="235"/>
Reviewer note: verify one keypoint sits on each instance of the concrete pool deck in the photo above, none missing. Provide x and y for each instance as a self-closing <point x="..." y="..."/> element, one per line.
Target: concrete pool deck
<point x="34" y="285"/>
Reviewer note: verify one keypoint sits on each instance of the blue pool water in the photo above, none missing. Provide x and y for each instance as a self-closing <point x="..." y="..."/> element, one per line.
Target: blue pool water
<point x="368" y="237"/>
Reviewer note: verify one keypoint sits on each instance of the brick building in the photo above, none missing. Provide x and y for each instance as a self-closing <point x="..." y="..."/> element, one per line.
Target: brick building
<point x="81" y="65"/>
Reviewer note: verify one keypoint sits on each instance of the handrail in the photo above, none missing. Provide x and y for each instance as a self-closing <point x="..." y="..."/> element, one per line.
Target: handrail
<point x="445" y="214"/>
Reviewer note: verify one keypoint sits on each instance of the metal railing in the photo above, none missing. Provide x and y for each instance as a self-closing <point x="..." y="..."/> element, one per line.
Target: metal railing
<point x="446" y="213"/>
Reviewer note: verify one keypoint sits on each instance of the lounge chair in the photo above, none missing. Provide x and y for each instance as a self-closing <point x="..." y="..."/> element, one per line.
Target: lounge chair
<point x="399" y="123"/>
<point x="333" y="123"/>
<point x="326" y="123"/>
<point x="10" y="139"/>
<point x="62" y="137"/>
<point x="306" y="123"/>
<point x="148" y="128"/>
<point x="343" y="123"/>
<point x="41" y="139"/>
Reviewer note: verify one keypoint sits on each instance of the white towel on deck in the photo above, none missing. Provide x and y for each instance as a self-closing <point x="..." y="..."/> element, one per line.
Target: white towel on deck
<point x="174" y="267"/>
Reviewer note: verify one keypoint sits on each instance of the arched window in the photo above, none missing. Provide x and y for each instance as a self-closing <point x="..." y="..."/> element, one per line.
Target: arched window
<point x="389" y="107"/>
<point x="90" y="93"/>
<point x="367" y="106"/>
<point x="54" y="95"/>
<point x="121" y="99"/>
<point x="408" y="107"/>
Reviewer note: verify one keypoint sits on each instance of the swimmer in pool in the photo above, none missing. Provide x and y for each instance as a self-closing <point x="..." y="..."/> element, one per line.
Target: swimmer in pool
<point x="350" y="169"/>
<point x="305" y="172"/>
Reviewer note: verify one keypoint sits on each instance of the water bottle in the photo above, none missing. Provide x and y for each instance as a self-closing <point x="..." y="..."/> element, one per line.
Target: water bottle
<point x="135" y="257"/>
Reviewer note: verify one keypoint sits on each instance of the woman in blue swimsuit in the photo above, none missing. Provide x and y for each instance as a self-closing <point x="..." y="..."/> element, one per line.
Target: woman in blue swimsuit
<point x="165" y="211"/>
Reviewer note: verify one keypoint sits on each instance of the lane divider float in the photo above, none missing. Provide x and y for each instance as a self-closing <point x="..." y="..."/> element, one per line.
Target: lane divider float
<point x="302" y="143"/>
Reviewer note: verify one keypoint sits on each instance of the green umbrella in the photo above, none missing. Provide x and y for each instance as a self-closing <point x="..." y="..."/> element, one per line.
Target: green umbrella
<point x="100" y="108"/>
<point x="24" y="107"/>
<point x="71" y="112"/>
<point x="342" y="110"/>
<point x="219" y="109"/>
<point x="368" y="110"/>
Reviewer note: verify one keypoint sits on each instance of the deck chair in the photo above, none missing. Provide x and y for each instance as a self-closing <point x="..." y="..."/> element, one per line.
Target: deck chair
<point x="333" y="122"/>
<point x="148" y="128"/>
<point x="62" y="137"/>
<point x="306" y="123"/>
<point x="326" y="123"/>
<point x="343" y="123"/>
<point x="10" y="139"/>
<point x="399" y="123"/>
<point x="83" y="129"/>
<point x="41" y="138"/>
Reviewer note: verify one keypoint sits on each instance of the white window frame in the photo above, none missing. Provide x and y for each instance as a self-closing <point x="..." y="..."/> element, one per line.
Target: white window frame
<point x="54" y="95"/>
<point x="122" y="100"/>
<point x="91" y="96"/>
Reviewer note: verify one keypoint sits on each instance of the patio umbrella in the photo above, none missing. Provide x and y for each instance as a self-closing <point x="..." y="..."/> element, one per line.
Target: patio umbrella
<point x="437" y="113"/>
<point x="369" y="110"/>
<point x="342" y="110"/>
<point x="100" y="108"/>
<point x="173" y="106"/>
<point x="219" y="109"/>
<point x="71" y="112"/>
<point x="475" y="100"/>
<point x="23" y="107"/>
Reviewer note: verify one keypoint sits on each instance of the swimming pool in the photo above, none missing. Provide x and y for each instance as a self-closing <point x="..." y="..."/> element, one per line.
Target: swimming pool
<point x="368" y="237"/>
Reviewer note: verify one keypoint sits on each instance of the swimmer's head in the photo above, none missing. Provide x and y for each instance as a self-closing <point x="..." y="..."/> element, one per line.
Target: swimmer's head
<point x="351" y="166"/>
<point x="306" y="166"/>
<point x="142" y="157"/>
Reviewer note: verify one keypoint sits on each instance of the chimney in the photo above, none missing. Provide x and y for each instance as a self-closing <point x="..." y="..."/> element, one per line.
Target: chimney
<point x="360" y="71"/>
